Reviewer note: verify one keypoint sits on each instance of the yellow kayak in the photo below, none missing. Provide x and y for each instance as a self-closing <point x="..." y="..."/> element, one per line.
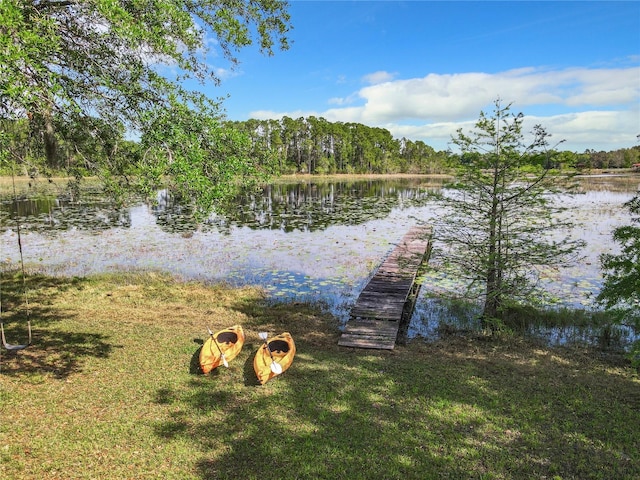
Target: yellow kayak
<point x="274" y="356"/>
<point x="221" y="347"/>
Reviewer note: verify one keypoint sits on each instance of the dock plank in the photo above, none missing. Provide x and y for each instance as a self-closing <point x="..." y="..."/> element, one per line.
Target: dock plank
<point x="375" y="318"/>
<point x="359" y="341"/>
<point x="377" y="334"/>
<point x="372" y="327"/>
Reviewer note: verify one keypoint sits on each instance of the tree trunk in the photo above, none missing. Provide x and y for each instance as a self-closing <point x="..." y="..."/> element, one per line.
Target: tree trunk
<point x="50" y="144"/>
<point x="492" y="298"/>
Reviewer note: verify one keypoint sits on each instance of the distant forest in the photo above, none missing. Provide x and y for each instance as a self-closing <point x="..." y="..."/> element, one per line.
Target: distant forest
<point x="286" y="146"/>
<point x="317" y="146"/>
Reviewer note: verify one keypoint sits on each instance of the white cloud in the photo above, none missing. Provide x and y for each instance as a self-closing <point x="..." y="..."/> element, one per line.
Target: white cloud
<point x="225" y="73"/>
<point x="597" y="130"/>
<point x="343" y="100"/>
<point x="447" y="97"/>
<point x="589" y="108"/>
<point x="378" y="77"/>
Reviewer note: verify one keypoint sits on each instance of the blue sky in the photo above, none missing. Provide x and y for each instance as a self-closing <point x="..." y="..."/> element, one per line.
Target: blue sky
<point x="422" y="69"/>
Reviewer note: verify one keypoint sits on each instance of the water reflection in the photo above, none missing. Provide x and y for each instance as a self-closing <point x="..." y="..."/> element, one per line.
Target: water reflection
<point x="52" y="212"/>
<point x="317" y="206"/>
<point x="286" y="207"/>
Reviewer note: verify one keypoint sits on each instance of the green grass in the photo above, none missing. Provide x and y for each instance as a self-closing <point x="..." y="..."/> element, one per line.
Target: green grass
<point x="111" y="389"/>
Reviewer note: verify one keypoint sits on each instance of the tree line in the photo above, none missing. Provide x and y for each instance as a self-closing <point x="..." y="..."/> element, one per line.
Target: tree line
<point x="316" y="146"/>
<point x="282" y="146"/>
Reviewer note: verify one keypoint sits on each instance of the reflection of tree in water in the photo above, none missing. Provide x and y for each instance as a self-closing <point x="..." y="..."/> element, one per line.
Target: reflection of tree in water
<point x="287" y="207"/>
<point x="49" y="212"/>
<point x="316" y="206"/>
<point x="296" y="206"/>
<point x="173" y="215"/>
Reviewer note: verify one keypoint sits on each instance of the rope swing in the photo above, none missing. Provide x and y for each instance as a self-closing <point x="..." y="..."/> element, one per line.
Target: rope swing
<point x="11" y="347"/>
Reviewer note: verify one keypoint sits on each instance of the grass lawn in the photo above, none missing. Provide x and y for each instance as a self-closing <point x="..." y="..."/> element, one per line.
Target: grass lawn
<point x="111" y="390"/>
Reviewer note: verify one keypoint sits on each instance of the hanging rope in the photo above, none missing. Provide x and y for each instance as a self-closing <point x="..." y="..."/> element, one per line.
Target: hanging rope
<point x="9" y="346"/>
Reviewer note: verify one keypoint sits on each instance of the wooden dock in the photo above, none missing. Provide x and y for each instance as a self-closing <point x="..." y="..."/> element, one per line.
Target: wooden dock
<point x="388" y="299"/>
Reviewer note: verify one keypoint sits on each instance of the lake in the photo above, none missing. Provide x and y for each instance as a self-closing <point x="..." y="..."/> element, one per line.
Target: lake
<point x="315" y="240"/>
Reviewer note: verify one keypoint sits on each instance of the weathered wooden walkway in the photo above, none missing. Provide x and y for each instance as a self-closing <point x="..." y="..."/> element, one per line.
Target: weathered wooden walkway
<point x="388" y="299"/>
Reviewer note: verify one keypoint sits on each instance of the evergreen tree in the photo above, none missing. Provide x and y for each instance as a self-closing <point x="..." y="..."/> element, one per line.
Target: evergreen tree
<point x="498" y="220"/>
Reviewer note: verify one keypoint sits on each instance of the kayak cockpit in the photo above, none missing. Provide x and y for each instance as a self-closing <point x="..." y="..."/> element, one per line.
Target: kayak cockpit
<point x="279" y="346"/>
<point x="227" y="337"/>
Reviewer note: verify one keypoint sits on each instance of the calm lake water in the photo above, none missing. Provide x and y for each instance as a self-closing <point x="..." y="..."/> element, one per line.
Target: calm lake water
<point x="318" y="241"/>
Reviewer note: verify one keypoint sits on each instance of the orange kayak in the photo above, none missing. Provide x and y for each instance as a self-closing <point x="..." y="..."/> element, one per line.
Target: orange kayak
<point x="282" y="348"/>
<point x="221" y="346"/>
